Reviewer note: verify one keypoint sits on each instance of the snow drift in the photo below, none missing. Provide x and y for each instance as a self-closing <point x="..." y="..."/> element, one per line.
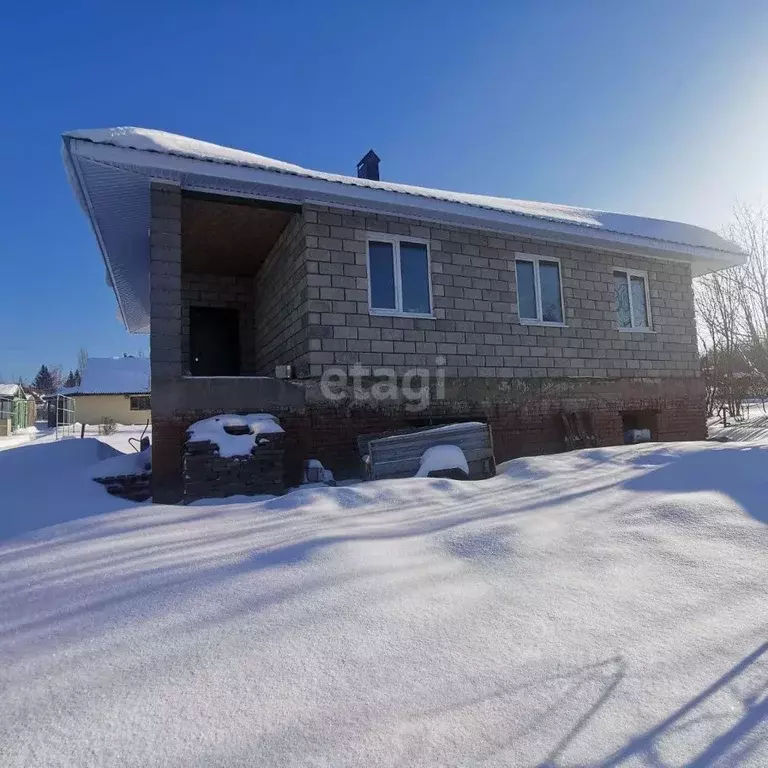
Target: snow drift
<point x="600" y="608"/>
<point x="43" y="484"/>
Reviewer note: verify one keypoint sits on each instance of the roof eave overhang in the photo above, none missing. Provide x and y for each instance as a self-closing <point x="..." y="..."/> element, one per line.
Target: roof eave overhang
<point x="255" y="183"/>
<point x="81" y="192"/>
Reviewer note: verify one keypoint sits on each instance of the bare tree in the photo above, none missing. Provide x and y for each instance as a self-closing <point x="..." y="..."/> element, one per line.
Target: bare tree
<point x="732" y="310"/>
<point x="82" y="359"/>
<point x="717" y="307"/>
<point x="57" y="376"/>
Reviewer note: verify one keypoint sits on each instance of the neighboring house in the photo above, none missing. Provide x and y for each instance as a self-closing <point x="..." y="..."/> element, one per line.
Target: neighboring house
<point x="241" y="267"/>
<point x="37" y="395"/>
<point x="17" y="409"/>
<point x="114" y="388"/>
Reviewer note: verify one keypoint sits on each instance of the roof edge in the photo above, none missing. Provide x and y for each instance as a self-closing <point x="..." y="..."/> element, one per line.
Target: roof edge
<point x="346" y="195"/>
<point x="81" y="192"/>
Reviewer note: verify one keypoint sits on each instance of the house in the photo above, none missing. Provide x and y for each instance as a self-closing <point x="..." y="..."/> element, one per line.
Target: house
<point x="37" y="395"/>
<point x="265" y="286"/>
<point x="116" y="388"/>
<point x="17" y="409"/>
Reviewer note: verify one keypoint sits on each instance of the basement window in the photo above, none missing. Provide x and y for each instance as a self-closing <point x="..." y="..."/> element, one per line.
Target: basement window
<point x="398" y="276"/>
<point x="639" y="426"/>
<point x="140" y="402"/>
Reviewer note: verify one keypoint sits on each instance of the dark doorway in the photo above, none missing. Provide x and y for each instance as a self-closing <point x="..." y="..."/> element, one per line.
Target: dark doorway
<point x="214" y="341"/>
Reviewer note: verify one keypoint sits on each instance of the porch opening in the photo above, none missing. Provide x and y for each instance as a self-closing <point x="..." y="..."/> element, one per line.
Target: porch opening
<point x="225" y="243"/>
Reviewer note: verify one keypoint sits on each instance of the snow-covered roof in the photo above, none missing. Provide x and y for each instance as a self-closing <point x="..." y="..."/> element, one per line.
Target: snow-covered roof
<point x="113" y="376"/>
<point x="10" y="390"/>
<point x="110" y="170"/>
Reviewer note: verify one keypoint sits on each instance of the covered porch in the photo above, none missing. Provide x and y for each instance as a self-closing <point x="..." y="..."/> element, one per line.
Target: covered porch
<point x="233" y="294"/>
<point x="227" y="314"/>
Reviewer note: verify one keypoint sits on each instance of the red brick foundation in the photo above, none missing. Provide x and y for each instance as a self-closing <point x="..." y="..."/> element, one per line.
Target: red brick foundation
<point x="525" y="420"/>
<point x="520" y="427"/>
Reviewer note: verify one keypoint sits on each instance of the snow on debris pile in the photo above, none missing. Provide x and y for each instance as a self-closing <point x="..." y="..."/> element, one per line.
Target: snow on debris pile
<point x="151" y="140"/>
<point x="214" y="430"/>
<point x="454" y="427"/>
<point x="458" y="426"/>
<point x="315" y="472"/>
<point x="442" y="457"/>
<point x="133" y="463"/>
<point x="127" y="476"/>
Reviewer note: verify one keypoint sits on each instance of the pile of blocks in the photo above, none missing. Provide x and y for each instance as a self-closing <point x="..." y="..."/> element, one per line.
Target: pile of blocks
<point x="207" y="474"/>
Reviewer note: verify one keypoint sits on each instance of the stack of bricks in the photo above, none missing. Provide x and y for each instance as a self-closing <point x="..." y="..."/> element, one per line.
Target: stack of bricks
<point x="206" y="474"/>
<point x="131" y="487"/>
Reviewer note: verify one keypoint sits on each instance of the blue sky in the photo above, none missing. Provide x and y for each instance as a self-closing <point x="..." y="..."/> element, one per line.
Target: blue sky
<point x="654" y="108"/>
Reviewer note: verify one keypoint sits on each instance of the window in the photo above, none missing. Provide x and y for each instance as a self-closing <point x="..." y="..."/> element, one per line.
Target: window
<point x="398" y="276"/>
<point x="139" y="402"/>
<point x="539" y="290"/>
<point x="632" y="299"/>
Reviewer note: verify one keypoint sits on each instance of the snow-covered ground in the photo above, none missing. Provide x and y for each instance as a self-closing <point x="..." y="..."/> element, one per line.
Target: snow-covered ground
<point x="25" y="436"/>
<point x="44" y="481"/>
<point x="751" y="427"/>
<point x="605" y="607"/>
<point x="43" y="434"/>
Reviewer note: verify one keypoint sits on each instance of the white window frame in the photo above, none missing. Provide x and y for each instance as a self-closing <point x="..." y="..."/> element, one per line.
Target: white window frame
<point x="636" y="328"/>
<point x="395" y="240"/>
<point x="533" y="258"/>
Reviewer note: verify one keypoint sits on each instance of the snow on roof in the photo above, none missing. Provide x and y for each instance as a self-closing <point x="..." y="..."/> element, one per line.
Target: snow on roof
<point x="113" y="376"/>
<point x="9" y="390"/>
<point x="150" y="140"/>
<point x="93" y="157"/>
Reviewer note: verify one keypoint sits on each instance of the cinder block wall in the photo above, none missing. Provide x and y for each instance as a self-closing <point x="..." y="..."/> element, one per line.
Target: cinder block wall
<point x="476" y="326"/>
<point x="311" y="310"/>
<point x="165" y="338"/>
<point x="280" y="302"/>
<point x="224" y="291"/>
<point x="589" y="364"/>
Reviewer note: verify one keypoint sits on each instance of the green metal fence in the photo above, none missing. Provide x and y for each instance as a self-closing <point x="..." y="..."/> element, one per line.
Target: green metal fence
<point x="20" y="419"/>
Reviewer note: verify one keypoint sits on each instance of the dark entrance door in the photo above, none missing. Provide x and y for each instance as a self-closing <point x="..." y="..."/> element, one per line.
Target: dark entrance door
<point x="214" y="341"/>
